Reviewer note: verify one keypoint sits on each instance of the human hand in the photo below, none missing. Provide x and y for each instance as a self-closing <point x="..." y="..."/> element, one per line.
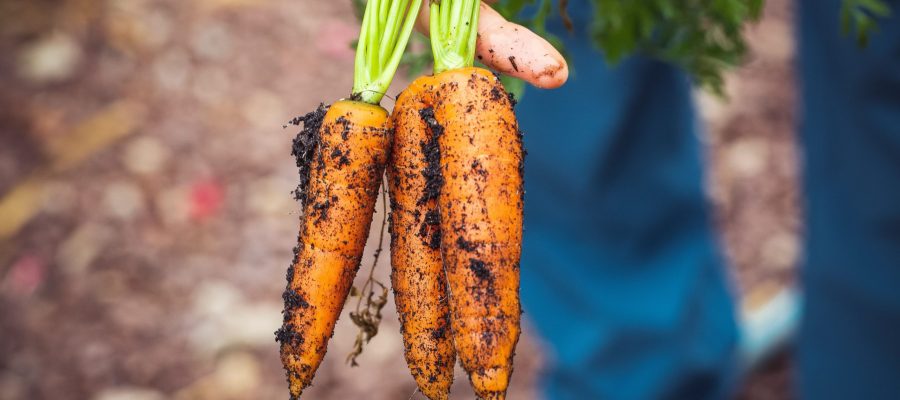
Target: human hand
<point x="512" y="49"/>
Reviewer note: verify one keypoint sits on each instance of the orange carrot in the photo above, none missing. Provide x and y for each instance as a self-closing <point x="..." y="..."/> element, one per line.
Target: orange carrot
<point x="342" y="156"/>
<point x="345" y="172"/>
<point x="480" y="201"/>
<point x="418" y="280"/>
<point x="481" y="222"/>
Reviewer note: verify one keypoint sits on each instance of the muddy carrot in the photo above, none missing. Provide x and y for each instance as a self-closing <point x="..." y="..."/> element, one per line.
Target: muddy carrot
<point x="480" y="200"/>
<point x="417" y="275"/>
<point x="341" y="154"/>
<point x="481" y="223"/>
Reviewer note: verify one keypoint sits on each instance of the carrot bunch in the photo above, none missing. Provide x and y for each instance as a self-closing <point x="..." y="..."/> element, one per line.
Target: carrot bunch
<point x="341" y="152"/>
<point x="454" y="160"/>
<point x="455" y="181"/>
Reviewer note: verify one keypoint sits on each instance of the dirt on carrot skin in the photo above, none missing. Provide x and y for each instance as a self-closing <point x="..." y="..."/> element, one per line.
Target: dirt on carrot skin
<point x="480" y="273"/>
<point x="480" y="270"/>
<point x="433" y="178"/>
<point x="292" y="300"/>
<point x="432" y="220"/>
<point x="432" y="173"/>
<point x="465" y="244"/>
<point x="303" y="149"/>
<point x="305" y="145"/>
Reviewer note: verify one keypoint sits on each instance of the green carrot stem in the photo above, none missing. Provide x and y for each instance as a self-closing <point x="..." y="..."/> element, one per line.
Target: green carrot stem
<point x="454" y="30"/>
<point x="385" y="31"/>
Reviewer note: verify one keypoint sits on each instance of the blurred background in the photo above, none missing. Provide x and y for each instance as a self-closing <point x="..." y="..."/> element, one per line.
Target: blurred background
<point x="146" y="219"/>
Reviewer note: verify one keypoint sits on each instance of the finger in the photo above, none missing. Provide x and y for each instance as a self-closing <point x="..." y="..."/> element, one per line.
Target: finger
<point x="516" y="51"/>
<point x="512" y="49"/>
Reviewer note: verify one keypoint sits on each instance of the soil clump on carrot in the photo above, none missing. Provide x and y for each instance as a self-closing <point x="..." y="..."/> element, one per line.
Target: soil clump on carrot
<point x="432" y="172"/>
<point x="305" y="144"/>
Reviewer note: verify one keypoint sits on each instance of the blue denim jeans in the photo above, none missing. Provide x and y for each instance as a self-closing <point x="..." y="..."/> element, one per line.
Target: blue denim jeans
<point x="621" y="271"/>
<point x="849" y="344"/>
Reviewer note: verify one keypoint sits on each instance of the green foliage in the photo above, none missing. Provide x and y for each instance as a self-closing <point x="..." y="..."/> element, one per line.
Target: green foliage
<point x="383" y="36"/>
<point x="359" y="8"/>
<point x="704" y="37"/>
<point x="454" y="29"/>
<point x="858" y="17"/>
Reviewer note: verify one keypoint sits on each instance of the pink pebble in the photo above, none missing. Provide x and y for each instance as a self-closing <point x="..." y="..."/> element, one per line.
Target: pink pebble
<point x="206" y="199"/>
<point x="25" y="275"/>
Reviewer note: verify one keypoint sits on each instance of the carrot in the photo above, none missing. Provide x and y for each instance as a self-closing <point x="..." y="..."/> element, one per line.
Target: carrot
<point x="480" y="201"/>
<point x="343" y="185"/>
<point x="481" y="223"/>
<point x="457" y="185"/>
<point x="341" y="154"/>
<point x="418" y="280"/>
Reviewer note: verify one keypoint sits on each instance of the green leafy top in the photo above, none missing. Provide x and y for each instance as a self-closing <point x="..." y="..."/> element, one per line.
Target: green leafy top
<point x="859" y="17"/>
<point x="454" y="29"/>
<point x="704" y="37"/>
<point x="386" y="26"/>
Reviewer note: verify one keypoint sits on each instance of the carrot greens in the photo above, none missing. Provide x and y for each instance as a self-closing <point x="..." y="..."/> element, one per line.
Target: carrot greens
<point x="386" y="27"/>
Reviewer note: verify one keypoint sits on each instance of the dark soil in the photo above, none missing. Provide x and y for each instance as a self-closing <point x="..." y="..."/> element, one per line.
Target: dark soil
<point x="432" y="172"/>
<point x="305" y="145"/>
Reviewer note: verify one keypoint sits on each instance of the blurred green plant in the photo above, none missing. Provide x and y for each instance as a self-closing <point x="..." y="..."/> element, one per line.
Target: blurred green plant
<point x="359" y="8"/>
<point x="859" y="17"/>
<point x="418" y="55"/>
<point x="704" y="37"/>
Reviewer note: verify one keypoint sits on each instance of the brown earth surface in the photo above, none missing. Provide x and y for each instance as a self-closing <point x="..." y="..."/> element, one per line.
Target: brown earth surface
<point x="146" y="219"/>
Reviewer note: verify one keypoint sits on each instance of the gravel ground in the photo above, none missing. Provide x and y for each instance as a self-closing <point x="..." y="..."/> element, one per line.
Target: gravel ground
<point x="145" y="211"/>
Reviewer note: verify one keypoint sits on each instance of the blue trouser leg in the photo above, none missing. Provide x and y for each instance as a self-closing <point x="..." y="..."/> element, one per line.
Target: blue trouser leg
<point x="849" y="344"/>
<point x="621" y="273"/>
